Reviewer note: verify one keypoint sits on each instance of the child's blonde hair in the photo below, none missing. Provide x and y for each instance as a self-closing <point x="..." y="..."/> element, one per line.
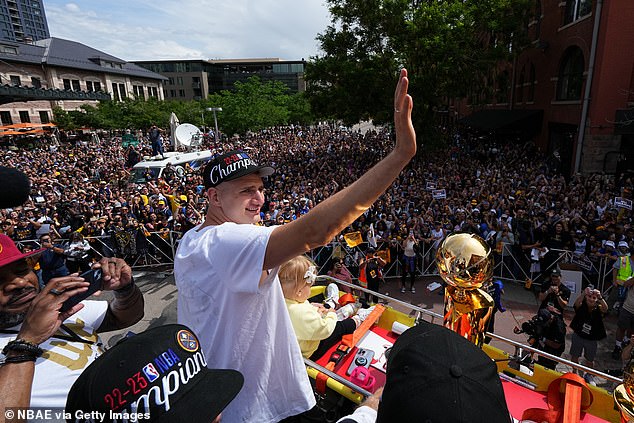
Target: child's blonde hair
<point x="291" y="274"/>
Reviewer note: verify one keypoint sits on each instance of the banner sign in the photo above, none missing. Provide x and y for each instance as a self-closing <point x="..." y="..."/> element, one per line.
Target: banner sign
<point x="439" y="193"/>
<point x="624" y="203"/>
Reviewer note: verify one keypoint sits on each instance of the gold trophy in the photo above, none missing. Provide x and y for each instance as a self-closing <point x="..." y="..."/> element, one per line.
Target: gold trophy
<point x="465" y="264"/>
<point x="624" y="394"/>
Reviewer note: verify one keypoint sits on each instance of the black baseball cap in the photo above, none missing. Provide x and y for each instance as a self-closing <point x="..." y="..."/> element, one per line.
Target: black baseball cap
<point x="232" y="165"/>
<point x="555" y="272"/>
<point x="435" y="375"/>
<point x="161" y="374"/>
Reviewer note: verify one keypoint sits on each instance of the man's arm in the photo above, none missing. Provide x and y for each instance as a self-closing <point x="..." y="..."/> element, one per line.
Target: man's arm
<point x="127" y="307"/>
<point x="330" y="217"/>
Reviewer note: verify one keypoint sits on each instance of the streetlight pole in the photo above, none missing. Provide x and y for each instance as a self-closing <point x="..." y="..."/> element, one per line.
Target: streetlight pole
<point x="215" y="109"/>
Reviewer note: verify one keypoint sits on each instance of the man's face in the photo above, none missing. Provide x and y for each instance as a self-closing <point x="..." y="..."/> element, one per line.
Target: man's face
<point x="18" y="287"/>
<point x="241" y="199"/>
<point x="555" y="280"/>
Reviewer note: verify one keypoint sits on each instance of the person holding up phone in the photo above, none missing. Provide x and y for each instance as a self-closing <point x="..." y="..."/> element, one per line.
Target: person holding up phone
<point x="36" y="334"/>
<point x="588" y="327"/>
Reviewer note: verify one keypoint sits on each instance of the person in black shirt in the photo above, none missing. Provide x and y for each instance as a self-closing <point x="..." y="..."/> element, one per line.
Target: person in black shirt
<point x="552" y="339"/>
<point x="588" y="327"/>
<point x="554" y="293"/>
<point x="372" y="265"/>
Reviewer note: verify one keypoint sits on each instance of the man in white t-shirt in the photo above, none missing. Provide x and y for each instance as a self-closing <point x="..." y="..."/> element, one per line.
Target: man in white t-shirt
<point x="226" y="273"/>
<point x="45" y="349"/>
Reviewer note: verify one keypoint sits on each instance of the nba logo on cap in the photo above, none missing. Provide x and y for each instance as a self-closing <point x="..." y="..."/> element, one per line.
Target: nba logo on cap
<point x="150" y="372"/>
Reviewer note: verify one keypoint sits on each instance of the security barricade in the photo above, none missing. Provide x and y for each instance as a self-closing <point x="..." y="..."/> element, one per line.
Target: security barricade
<point x="141" y="251"/>
<point x="510" y="263"/>
<point x="146" y="250"/>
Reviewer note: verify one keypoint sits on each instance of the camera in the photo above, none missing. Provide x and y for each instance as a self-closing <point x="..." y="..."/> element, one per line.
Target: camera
<point x="535" y="327"/>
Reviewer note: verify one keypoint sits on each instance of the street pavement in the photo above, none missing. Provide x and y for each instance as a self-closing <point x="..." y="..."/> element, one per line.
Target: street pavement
<point x="521" y="304"/>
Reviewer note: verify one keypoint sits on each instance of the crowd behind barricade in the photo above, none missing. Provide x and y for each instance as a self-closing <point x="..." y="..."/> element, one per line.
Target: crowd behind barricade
<point x="507" y="193"/>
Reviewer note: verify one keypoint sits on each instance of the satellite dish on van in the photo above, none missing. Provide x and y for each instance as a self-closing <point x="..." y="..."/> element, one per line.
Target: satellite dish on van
<point x="188" y="135"/>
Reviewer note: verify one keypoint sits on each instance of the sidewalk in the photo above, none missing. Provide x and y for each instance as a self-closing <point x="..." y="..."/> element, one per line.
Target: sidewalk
<point x="521" y="305"/>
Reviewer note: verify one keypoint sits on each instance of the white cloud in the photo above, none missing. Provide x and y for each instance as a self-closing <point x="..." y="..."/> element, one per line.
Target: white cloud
<point x="166" y="29"/>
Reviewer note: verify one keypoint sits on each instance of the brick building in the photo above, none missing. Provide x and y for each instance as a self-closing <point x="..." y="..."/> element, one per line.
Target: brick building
<point x="573" y="87"/>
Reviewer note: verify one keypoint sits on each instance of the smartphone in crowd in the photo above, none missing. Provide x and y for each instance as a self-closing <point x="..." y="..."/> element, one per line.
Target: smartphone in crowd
<point x="95" y="278"/>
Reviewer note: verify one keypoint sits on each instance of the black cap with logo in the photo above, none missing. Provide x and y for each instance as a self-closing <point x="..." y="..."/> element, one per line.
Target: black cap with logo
<point x="159" y="375"/>
<point x="232" y="165"/>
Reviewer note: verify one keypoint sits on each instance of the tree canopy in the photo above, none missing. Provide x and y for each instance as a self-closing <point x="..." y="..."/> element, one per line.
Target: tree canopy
<point x="450" y="48"/>
<point x="252" y="105"/>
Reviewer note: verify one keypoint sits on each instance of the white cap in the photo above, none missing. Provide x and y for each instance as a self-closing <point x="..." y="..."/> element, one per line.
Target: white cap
<point x="623" y="244"/>
<point x="609" y="244"/>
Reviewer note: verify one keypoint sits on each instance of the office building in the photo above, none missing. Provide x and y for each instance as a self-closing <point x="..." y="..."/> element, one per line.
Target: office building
<point x="23" y="20"/>
<point x="196" y="79"/>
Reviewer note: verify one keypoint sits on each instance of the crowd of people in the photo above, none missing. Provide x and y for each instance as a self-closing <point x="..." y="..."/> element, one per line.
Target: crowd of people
<point x="241" y="321"/>
<point x="506" y="193"/>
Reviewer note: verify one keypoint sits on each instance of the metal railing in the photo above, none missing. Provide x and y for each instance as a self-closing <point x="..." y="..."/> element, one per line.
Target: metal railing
<point x="140" y="251"/>
<point x="510" y="263"/>
<point x="157" y="249"/>
<point x="521" y="350"/>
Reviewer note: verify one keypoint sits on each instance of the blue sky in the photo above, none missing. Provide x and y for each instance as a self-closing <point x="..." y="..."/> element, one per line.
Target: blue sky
<point x="192" y="29"/>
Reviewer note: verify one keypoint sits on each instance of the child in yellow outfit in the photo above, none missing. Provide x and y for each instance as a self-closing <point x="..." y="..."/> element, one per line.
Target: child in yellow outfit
<point x="317" y="328"/>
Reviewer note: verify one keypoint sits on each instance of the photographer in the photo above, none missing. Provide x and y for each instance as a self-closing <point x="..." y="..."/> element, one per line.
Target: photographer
<point x="590" y="307"/>
<point x="554" y="293"/>
<point x="371" y="265"/>
<point x="77" y="252"/>
<point x="550" y="335"/>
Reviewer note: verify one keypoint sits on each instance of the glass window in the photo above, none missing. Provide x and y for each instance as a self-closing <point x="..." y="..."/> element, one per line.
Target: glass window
<point x="122" y="91"/>
<point x="76" y="86"/>
<point x="533" y="82"/>
<point x="538" y="19"/>
<point x="181" y="93"/>
<point x="35" y="82"/>
<point x="97" y="85"/>
<point x="570" y="80"/>
<point x="89" y="86"/>
<point x="503" y="85"/>
<point x="24" y="117"/>
<point x="44" y="118"/>
<point x="115" y="91"/>
<point x="520" y="87"/>
<point x="66" y="84"/>
<point x="5" y="117"/>
<point x="15" y="80"/>
<point x="576" y="9"/>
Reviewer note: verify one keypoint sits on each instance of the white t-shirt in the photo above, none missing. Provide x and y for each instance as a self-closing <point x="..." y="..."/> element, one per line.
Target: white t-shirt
<point x="63" y="361"/>
<point x="242" y="326"/>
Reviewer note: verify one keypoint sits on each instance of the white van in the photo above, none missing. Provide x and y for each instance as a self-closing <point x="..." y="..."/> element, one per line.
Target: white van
<point x="178" y="160"/>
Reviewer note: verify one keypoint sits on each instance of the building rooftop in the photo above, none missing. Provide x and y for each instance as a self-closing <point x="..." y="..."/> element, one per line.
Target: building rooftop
<point x="71" y="54"/>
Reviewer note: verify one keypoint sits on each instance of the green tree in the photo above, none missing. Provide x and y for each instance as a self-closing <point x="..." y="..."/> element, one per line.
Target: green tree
<point x="254" y="105"/>
<point x="62" y="119"/>
<point x="449" y="47"/>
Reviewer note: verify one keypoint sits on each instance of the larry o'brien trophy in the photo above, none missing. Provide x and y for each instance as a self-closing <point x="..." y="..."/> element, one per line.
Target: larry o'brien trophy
<point x="624" y="394"/>
<point x="465" y="264"/>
